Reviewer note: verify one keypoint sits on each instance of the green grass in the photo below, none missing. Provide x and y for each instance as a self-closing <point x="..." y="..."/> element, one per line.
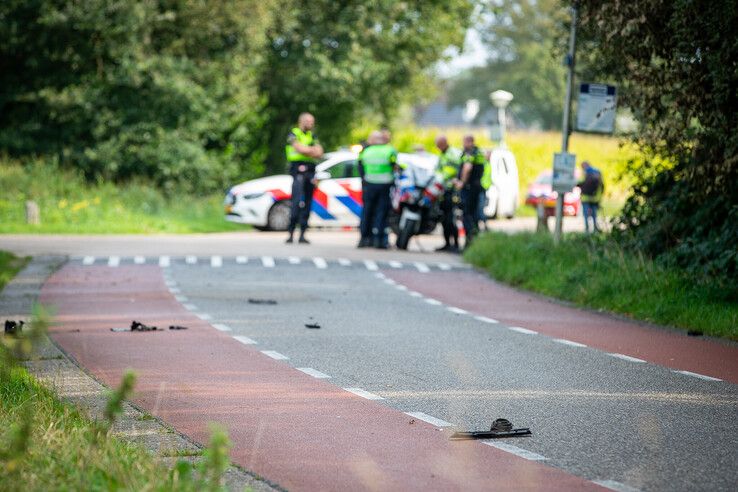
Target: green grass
<point x="71" y="205"/>
<point x="595" y="272"/>
<point x="9" y="266"/>
<point x="63" y="452"/>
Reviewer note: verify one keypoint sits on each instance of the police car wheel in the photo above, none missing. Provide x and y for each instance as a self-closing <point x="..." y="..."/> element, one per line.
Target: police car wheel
<point x="279" y="216"/>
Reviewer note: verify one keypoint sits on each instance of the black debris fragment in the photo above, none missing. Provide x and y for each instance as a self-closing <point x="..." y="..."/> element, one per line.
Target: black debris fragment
<point x="120" y="329"/>
<point x="269" y="302"/>
<point x="694" y="333"/>
<point x="136" y="326"/>
<point x="177" y="327"/>
<point x="314" y="326"/>
<point x="500" y="428"/>
<point x="14" y="327"/>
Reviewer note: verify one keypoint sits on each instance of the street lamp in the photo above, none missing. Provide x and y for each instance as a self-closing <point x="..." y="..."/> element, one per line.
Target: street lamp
<point x="500" y="99"/>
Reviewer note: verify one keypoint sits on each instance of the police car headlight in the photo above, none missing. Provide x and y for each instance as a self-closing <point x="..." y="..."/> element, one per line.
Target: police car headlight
<point x="252" y="196"/>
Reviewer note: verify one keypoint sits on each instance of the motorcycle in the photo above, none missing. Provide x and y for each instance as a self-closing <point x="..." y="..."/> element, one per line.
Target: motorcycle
<point x="415" y="204"/>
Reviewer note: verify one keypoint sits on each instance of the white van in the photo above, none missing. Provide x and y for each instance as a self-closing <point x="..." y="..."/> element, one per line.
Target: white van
<point x="502" y="196"/>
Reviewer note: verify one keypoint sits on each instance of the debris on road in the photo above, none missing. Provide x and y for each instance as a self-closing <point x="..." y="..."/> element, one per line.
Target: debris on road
<point x="136" y="326"/>
<point x="314" y="326"/>
<point x="269" y="302"/>
<point x="13" y="327"/>
<point x="694" y="333"/>
<point x="177" y="327"/>
<point x="500" y="428"/>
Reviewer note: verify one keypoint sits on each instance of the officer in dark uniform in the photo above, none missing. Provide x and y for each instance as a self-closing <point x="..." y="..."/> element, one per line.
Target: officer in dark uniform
<point x="470" y="185"/>
<point x="449" y="163"/>
<point x="303" y="151"/>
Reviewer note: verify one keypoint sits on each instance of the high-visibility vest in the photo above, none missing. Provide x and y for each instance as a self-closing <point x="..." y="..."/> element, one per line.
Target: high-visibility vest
<point x="448" y="165"/>
<point x="305" y="138"/>
<point x="475" y="157"/>
<point x="379" y="163"/>
<point x="597" y="195"/>
<point x="487" y="175"/>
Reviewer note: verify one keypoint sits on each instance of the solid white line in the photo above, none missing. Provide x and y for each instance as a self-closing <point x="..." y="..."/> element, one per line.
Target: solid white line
<point x="114" y="261"/>
<point x="191" y="260"/>
<point x="139" y="260"/>
<point x="524" y="331"/>
<point x="616" y="486"/>
<point x="457" y="310"/>
<point x="364" y="394"/>
<point x="371" y="266"/>
<point x="696" y="375"/>
<point x="274" y="355"/>
<point x="181" y="298"/>
<point x="444" y="266"/>
<point x="400" y="287"/>
<point x="267" y="261"/>
<point x="245" y="340"/>
<point x="88" y="260"/>
<point x="294" y="260"/>
<point x="242" y="259"/>
<point x="433" y="302"/>
<point x="422" y="267"/>
<point x="485" y="319"/>
<point x="415" y="294"/>
<point x="568" y="342"/>
<point x="216" y="261"/>
<point x="523" y="453"/>
<point x="395" y="264"/>
<point x="221" y="327"/>
<point x="175" y="290"/>
<point x="627" y="357"/>
<point x="164" y="261"/>
<point x="204" y="316"/>
<point x="313" y="372"/>
<point x="344" y="262"/>
<point x="189" y="307"/>
<point x="320" y="262"/>
<point x="430" y="419"/>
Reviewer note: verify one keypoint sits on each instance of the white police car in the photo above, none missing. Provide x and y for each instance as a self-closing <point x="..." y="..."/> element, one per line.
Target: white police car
<point x="265" y="202"/>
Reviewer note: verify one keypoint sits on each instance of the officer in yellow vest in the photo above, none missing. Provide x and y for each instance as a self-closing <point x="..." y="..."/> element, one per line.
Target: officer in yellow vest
<point x="449" y="163"/>
<point x="303" y="151"/>
<point x="469" y="183"/>
<point x="377" y="166"/>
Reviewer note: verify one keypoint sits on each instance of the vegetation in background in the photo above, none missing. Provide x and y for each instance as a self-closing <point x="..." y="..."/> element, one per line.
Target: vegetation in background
<point x="594" y="271"/>
<point x="9" y="266"/>
<point x="48" y="445"/>
<point x="70" y="204"/>
<point x="675" y="63"/>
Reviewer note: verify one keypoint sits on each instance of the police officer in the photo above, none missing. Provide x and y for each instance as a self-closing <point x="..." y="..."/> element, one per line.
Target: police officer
<point x="377" y="165"/>
<point x="302" y="151"/>
<point x="486" y="182"/>
<point x="469" y="183"/>
<point x="449" y="163"/>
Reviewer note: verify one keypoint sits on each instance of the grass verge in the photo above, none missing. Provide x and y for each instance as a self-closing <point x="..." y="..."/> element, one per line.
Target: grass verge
<point x="9" y="266"/>
<point x="595" y="272"/>
<point x="71" y="205"/>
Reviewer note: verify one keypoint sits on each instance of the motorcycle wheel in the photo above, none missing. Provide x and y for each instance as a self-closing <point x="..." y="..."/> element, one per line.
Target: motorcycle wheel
<point x="406" y="233"/>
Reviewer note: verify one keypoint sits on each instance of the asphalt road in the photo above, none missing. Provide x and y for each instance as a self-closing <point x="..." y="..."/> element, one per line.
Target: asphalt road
<point x="601" y="418"/>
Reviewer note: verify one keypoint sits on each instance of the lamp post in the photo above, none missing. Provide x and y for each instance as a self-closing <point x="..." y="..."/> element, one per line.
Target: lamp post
<point x="500" y="99"/>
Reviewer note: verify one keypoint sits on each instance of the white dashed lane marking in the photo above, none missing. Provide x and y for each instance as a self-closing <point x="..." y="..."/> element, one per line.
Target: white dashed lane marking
<point x="430" y="419"/>
<point x="245" y="340"/>
<point x="216" y="261"/>
<point x="415" y="294"/>
<point x="457" y="310"/>
<point x="433" y="302"/>
<point x="400" y="287"/>
<point x="444" y="266"/>
<point x="139" y="260"/>
<point x="191" y="260"/>
<point x="88" y="260"/>
<point x="293" y="260"/>
<point x="221" y="327"/>
<point x="524" y="331"/>
<point x="189" y="307"/>
<point x="697" y="375"/>
<point x="320" y="263"/>
<point x="164" y="261"/>
<point x="568" y="342"/>
<point x="267" y="261"/>
<point x="204" y="316"/>
<point x="371" y="266"/>
<point x="274" y="355"/>
<point x="364" y="394"/>
<point x="422" y="267"/>
<point x="344" y="262"/>
<point x="114" y="261"/>
<point x="175" y="290"/>
<point x="616" y="486"/>
<point x="241" y="260"/>
<point x="181" y="298"/>
<point x="395" y="264"/>
<point x="170" y="283"/>
<point x="523" y="453"/>
<point x="485" y="319"/>
<point x="627" y="357"/>
<point x="313" y="372"/>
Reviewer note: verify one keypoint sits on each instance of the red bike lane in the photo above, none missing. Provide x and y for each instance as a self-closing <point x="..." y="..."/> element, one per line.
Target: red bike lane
<point x="476" y="293"/>
<point x="300" y="432"/>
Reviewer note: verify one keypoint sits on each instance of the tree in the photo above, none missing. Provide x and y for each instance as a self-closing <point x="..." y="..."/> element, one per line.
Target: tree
<point x="676" y="64"/>
<point x="524" y="39"/>
<point x="338" y="59"/>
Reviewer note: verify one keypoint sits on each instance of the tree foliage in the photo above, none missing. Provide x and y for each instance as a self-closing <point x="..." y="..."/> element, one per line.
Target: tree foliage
<point x="524" y="39"/>
<point x="677" y="64"/>
<point x="191" y="94"/>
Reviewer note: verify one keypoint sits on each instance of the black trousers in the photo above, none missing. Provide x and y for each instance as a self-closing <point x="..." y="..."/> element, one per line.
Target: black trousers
<point x="374" y="214"/>
<point x="450" y="231"/>
<point x="469" y="209"/>
<point x="302" y="200"/>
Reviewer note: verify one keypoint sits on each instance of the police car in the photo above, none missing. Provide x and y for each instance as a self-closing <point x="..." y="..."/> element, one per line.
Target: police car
<point x="265" y="202"/>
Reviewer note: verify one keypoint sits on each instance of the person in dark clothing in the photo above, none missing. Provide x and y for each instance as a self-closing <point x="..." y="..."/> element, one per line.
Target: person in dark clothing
<point x="303" y="151"/>
<point x="469" y="183"/>
<point x="591" y="193"/>
<point x="449" y="163"/>
<point x="377" y="165"/>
